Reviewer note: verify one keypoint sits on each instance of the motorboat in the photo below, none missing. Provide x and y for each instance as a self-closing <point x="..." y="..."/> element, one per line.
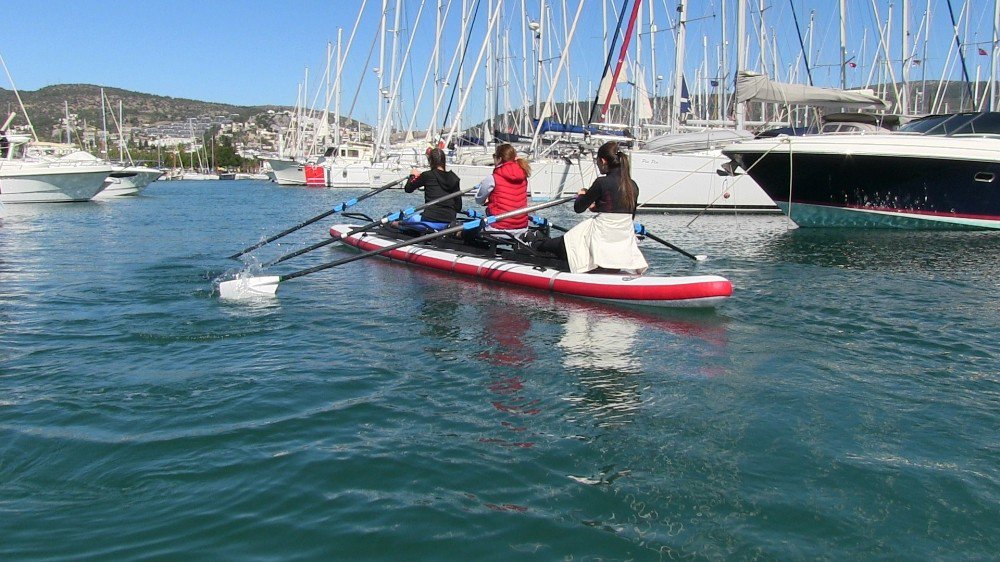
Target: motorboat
<point x="128" y="180"/>
<point x="29" y="179"/>
<point x="936" y="172"/>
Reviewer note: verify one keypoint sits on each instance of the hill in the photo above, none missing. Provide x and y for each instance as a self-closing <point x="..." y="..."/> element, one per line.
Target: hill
<point x="46" y="106"/>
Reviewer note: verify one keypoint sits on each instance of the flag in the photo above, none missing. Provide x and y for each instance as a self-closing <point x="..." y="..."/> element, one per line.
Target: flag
<point x="982" y="51"/>
<point x="715" y="83"/>
<point x="852" y="64"/>
<point x="685" y="106"/>
<point x="916" y="62"/>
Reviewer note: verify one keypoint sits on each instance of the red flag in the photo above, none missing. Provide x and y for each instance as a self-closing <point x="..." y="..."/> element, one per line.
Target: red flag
<point x="852" y="64"/>
<point x="982" y="51"/>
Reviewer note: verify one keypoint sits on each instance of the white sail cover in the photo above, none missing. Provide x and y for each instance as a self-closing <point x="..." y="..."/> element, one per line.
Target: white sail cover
<point x="643" y="109"/>
<point x="751" y="86"/>
<point x="602" y="92"/>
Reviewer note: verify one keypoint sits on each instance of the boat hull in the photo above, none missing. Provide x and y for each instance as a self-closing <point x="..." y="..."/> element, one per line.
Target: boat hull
<point x="50" y="183"/>
<point x="128" y="181"/>
<point x="880" y="181"/>
<point x="690" y="183"/>
<point x="647" y="290"/>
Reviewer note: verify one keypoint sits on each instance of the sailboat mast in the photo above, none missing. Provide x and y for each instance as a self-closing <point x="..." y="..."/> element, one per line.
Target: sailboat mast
<point x="338" y="86"/>
<point x="993" y="56"/>
<point x="104" y="129"/>
<point x="904" y="91"/>
<point x="675" y="114"/>
<point x="69" y="139"/>
<point x="741" y="62"/>
<point x="843" y="44"/>
<point x="621" y="55"/>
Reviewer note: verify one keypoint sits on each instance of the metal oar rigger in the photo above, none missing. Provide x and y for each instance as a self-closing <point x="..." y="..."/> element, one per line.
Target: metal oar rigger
<point x="268" y="286"/>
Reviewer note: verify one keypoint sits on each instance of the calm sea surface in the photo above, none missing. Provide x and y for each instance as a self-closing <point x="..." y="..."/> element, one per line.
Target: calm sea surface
<point x="843" y="405"/>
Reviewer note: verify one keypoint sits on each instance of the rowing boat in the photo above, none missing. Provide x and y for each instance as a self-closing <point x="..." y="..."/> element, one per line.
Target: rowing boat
<point x="513" y="263"/>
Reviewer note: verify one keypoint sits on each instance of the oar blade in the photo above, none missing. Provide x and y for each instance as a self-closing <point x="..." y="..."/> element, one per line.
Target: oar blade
<point x="249" y="287"/>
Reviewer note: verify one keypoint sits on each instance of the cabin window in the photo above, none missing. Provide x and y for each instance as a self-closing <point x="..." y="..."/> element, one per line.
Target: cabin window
<point x="353" y="153"/>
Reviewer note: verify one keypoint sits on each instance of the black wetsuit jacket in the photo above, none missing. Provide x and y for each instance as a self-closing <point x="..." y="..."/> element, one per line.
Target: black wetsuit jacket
<point x="437" y="184"/>
<point x="605" y="192"/>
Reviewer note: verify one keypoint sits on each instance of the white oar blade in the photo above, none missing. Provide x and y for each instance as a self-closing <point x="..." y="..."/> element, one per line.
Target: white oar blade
<point x="249" y="287"/>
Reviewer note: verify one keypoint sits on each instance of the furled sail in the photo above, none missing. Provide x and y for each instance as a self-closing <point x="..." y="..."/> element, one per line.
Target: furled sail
<point x="751" y="86"/>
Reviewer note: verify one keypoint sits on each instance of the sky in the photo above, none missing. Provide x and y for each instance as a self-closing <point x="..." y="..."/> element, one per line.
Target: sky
<point x="255" y="52"/>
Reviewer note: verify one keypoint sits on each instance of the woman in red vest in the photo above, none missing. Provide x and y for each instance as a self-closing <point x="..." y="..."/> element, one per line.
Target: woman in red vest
<point x="506" y="189"/>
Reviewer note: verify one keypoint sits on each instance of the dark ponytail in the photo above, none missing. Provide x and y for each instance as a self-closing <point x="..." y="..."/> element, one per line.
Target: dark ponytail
<point x="612" y="154"/>
<point x="436" y="158"/>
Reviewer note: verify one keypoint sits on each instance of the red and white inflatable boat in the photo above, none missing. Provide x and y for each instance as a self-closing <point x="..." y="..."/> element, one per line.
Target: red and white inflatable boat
<point x="649" y="290"/>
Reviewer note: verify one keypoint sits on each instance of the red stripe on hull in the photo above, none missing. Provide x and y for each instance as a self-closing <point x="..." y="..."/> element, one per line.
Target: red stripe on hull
<point x="649" y="289"/>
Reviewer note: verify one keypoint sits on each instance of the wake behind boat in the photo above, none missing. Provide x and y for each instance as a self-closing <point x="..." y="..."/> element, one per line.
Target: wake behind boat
<point x="502" y="259"/>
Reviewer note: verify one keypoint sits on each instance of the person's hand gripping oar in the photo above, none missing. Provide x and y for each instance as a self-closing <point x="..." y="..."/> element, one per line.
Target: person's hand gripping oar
<point x="336" y="209"/>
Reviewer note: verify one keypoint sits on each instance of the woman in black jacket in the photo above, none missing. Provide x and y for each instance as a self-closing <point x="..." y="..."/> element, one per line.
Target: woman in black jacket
<point x="437" y="182"/>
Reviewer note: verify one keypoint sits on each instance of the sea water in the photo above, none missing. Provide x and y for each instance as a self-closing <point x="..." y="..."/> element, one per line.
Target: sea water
<point x="843" y="404"/>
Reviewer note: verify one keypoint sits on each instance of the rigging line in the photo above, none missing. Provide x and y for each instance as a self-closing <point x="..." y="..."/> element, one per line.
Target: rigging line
<point x="802" y="45"/>
<point x="961" y="55"/>
<point x="461" y="63"/>
<point x="350" y="112"/>
<point x="607" y="63"/>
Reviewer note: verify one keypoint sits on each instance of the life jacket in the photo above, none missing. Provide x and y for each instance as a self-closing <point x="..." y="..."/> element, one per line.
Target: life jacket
<point x="510" y="193"/>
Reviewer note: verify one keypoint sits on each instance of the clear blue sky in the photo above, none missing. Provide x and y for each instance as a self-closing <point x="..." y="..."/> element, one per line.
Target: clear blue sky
<point x="254" y="52"/>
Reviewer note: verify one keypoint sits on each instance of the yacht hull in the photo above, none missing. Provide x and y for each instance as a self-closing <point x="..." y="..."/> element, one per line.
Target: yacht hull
<point x="50" y="183"/>
<point x="128" y="181"/>
<point x="879" y="181"/>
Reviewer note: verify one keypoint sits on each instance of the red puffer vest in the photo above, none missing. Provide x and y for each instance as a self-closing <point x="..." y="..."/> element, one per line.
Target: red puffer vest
<point x="510" y="193"/>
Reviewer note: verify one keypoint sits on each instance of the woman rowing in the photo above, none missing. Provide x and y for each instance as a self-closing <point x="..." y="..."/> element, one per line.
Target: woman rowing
<point x="437" y="182"/>
<point x="506" y="189"/>
<point x="605" y="241"/>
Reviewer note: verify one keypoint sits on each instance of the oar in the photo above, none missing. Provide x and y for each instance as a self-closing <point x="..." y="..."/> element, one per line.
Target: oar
<point x="641" y="230"/>
<point x="336" y="209"/>
<point x="365" y="227"/>
<point x="267" y="286"/>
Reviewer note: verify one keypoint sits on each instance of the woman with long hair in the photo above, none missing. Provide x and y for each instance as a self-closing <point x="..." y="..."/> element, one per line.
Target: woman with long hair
<point x="605" y="241"/>
<point x="506" y="189"/>
<point x="437" y="182"/>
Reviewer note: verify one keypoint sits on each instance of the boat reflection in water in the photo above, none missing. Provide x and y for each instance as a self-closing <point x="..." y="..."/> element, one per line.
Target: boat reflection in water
<point x="602" y="352"/>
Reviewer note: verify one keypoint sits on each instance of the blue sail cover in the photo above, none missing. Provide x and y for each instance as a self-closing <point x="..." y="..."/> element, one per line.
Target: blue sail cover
<point x="685" y="106"/>
<point x="554" y="127"/>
